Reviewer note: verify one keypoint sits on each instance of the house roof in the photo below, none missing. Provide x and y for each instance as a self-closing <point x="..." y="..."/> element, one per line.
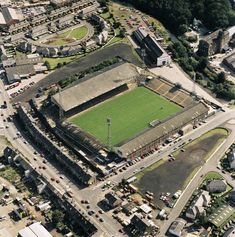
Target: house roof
<point x="221" y="215"/>
<point x="20" y="70"/>
<point x="141" y="224"/>
<point x="217" y="185"/>
<point x="230" y="232"/>
<point x="177" y="226"/>
<point x="112" y="198"/>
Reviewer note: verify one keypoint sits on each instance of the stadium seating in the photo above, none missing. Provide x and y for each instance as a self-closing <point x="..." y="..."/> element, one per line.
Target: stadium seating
<point x="170" y="92"/>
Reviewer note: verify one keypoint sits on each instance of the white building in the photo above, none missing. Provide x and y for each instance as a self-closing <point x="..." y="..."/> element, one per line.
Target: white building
<point x="177" y="227"/>
<point x="102" y="37"/>
<point x="232" y="160"/>
<point x="34" y="230"/>
<point x="198" y="205"/>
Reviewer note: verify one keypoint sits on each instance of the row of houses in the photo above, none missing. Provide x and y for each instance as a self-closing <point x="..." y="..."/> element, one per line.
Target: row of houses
<point x="76" y="168"/>
<point x="45" y="51"/>
<point x="60" y="16"/>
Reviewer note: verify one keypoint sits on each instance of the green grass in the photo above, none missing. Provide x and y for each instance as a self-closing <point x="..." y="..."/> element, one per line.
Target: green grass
<point x="54" y="61"/>
<point x="10" y="174"/>
<point x="130" y="114"/>
<point x="213" y="175"/>
<point x="77" y="33"/>
<point x="70" y="35"/>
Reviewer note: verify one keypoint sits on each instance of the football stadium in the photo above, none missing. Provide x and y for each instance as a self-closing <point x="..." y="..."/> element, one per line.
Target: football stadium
<point x="121" y="110"/>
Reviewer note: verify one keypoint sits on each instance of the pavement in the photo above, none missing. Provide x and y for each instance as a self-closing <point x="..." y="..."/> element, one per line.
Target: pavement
<point x="176" y="75"/>
<point x="108" y="228"/>
<point x="94" y="193"/>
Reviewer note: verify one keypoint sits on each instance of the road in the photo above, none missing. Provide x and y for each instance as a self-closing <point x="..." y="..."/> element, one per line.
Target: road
<point x="94" y="193"/>
<point x="51" y="172"/>
<point x="196" y="181"/>
<point x="176" y="75"/>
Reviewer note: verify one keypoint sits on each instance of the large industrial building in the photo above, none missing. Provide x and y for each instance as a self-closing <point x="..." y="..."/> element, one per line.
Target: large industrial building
<point x="156" y="54"/>
<point x="34" y="230"/>
<point x="8" y="16"/>
<point x="95" y="89"/>
<point x="213" y="43"/>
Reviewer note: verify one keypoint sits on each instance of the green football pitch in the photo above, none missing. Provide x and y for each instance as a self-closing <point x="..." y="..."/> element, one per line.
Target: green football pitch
<point x="130" y="114"/>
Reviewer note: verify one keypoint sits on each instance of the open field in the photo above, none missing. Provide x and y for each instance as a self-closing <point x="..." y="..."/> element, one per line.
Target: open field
<point x="130" y="114"/>
<point x="65" y="60"/>
<point x="175" y="175"/>
<point x="68" y="36"/>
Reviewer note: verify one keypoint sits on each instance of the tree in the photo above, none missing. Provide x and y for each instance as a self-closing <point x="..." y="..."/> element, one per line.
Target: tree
<point x="221" y="77"/>
<point x="47" y="64"/>
<point x="57" y="217"/>
<point x="59" y="65"/>
<point x="183" y="28"/>
<point x="203" y="63"/>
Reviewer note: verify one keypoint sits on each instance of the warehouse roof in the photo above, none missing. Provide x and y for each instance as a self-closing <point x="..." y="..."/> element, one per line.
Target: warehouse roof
<point x="2" y="19"/>
<point x="127" y="147"/>
<point x="91" y="88"/>
<point x="9" y="14"/>
<point x="20" y="70"/>
<point x="34" y="230"/>
<point x="221" y="214"/>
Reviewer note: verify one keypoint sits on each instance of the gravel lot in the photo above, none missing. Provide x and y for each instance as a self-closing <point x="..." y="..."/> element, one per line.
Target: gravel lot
<point x="122" y="50"/>
<point x="171" y="176"/>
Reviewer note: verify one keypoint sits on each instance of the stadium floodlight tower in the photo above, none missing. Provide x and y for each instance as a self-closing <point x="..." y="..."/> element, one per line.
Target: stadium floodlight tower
<point x="109" y="137"/>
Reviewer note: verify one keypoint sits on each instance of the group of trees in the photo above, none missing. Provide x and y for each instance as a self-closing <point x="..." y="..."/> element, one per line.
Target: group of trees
<point x="98" y="67"/>
<point x="205" y="75"/>
<point x="178" y="14"/>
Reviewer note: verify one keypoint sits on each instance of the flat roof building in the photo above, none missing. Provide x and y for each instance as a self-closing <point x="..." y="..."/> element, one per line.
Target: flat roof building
<point x="10" y="15"/>
<point x="34" y="230"/>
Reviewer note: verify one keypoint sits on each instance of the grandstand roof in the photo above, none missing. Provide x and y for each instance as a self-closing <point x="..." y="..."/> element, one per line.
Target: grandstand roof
<point x="128" y="147"/>
<point x="91" y="88"/>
